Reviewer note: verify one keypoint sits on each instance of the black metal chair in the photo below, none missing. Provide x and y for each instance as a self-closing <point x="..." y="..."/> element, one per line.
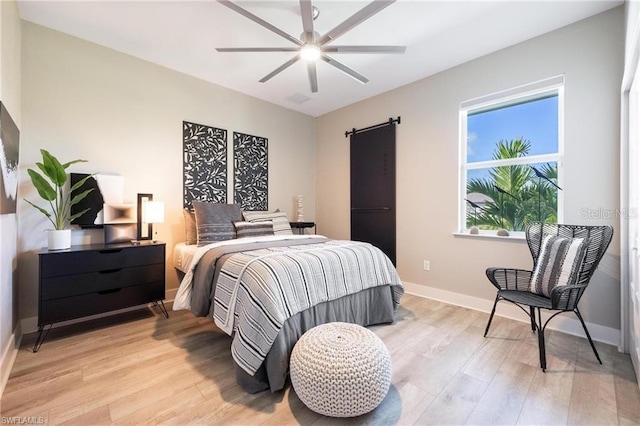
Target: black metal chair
<point x="513" y="284"/>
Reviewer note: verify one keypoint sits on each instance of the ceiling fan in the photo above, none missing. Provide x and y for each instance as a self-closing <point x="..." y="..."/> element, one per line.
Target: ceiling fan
<point x="311" y="46"/>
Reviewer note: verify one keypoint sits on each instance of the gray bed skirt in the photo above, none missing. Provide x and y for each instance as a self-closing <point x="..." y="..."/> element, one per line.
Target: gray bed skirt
<point x="367" y="307"/>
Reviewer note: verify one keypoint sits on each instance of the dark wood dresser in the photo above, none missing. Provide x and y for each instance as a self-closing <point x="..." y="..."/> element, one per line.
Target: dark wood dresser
<point x="93" y="279"/>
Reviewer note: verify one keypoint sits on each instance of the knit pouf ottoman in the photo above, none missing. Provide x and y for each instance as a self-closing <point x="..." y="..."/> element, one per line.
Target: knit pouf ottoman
<point x="340" y="369"/>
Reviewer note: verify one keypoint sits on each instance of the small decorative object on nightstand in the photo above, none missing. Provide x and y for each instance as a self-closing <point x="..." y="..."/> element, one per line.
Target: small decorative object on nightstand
<point x="300" y="226"/>
<point x="300" y="217"/>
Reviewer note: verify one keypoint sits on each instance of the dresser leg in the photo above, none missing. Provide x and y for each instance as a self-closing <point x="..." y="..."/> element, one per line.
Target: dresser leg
<point x="160" y="304"/>
<point x="43" y="330"/>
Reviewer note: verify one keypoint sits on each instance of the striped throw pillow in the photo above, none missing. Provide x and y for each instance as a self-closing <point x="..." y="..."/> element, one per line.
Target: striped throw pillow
<point x="280" y="222"/>
<point x="253" y="229"/>
<point x="558" y="264"/>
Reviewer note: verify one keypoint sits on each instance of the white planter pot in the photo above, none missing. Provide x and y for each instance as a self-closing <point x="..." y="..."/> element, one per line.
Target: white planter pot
<point x="59" y="240"/>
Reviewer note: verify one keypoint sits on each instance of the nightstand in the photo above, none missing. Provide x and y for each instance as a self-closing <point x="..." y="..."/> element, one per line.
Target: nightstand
<point x="93" y="279"/>
<point x="300" y="226"/>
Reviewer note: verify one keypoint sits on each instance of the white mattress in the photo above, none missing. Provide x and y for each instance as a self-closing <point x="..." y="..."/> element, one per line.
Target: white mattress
<point x="182" y="255"/>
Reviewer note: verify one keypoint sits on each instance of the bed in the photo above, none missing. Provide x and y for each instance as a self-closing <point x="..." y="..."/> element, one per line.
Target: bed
<point x="267" y="290"/>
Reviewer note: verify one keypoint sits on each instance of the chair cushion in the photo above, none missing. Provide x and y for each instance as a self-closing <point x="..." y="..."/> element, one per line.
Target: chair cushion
<point x="558" y="264"/>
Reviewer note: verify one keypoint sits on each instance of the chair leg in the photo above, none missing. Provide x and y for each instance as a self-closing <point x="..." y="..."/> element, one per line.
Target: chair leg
<point x="595" y="351"/>
<point x="493" y="311"/>
<point x="541" y="348"/>
<point x="532" y="315"/>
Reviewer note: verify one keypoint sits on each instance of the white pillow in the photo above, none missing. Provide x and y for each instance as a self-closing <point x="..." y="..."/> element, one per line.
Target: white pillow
<point x="280" y="221"/>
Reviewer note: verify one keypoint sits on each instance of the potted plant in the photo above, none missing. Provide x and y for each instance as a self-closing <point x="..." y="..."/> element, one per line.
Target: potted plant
<point x="50" y="184"/>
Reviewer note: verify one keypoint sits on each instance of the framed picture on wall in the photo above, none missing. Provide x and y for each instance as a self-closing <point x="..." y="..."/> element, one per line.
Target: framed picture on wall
<point x="9" y="150"/>
<point x="107" y="189"/>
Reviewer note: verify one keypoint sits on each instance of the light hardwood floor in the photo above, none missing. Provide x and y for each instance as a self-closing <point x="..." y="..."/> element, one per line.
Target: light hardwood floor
<point x="140" y="368"/>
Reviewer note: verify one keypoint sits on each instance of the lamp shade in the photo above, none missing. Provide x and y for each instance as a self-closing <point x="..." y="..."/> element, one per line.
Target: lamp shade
<point x="153" y="212"/>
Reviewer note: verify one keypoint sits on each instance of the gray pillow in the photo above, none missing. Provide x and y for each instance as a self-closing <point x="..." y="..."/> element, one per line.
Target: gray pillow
<point x="214" y="221"/>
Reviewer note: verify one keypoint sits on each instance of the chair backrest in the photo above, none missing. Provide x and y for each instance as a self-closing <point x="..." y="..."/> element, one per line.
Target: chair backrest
<point x="599" y="239"/>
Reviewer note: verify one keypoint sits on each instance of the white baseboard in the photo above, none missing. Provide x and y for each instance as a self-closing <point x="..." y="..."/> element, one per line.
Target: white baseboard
<point x="9" y="357"/>
<point x="30" y="325"/>
<point x="560" y="323"/>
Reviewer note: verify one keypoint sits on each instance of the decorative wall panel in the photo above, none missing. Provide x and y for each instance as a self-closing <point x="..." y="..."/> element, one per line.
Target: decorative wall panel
<point x="251" y="172"/>
<point x="204" y="164"/>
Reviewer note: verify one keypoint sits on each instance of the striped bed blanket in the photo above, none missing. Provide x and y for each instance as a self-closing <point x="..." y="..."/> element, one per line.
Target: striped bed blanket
<point x="258" y="290"/>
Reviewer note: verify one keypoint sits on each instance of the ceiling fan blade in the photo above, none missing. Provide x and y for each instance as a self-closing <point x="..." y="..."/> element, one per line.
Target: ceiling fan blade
<point x="280" y="69"/>
<point x="257" y="49"/>
<point x="313" y="76"/>
<point x="259" y="21"/>
<point x="345" y="69"/>
<point x="306" y="10"/>
<point x="362" y="15"/>
<point x="364" y="49"/>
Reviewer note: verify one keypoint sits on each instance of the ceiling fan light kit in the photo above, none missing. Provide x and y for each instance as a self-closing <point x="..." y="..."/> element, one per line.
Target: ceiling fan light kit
<point x="310" y="52"/>
<point x="311" y="46"/>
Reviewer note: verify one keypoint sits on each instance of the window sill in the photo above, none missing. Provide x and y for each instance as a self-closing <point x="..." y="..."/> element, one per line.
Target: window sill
<point x="516" y="236"/>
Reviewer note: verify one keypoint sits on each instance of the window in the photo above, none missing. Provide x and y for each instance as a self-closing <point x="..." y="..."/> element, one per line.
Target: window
<point x="511" y="158"/>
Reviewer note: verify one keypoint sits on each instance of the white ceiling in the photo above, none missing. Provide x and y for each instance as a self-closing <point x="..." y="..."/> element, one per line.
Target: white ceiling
<point x="182" y="35"/>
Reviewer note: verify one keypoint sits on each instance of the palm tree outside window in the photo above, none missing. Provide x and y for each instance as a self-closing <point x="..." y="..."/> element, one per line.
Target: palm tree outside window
<point x="511" y="158"/>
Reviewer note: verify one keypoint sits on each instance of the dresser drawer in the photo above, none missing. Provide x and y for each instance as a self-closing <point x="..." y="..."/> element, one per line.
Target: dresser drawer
<point x="96" y="303"/>
<point x="93" y="282"/>
<point x="63" y="263"/>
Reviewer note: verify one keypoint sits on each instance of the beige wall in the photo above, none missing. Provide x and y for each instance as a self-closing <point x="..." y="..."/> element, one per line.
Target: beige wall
<point x="124" y="116"/>
<point x="10" y="96"/>
<point x="590" y="55"/>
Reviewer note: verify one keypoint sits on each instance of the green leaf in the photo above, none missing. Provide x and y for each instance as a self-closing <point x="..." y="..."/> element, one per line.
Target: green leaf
<point x="77" y="215"/>
<point x="45" y="190"/>
<point x="54" y="170"/>
<point x="81" y="196"/>
<point x="41" y="167"/>
<point x="66" y="165"/>
<point x="43" y="211"/>
<point x="79" y="183"/>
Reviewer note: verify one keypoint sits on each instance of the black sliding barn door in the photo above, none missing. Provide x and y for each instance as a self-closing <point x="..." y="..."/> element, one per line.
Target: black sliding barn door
<point x="373" y="188"/>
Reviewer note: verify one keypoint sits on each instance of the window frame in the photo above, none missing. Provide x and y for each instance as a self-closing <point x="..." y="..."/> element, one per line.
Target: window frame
<point x="553" y="86"/>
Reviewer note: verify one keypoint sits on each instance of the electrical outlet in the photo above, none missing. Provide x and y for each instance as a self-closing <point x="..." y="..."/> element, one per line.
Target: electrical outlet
<point x="426" y="265"/>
